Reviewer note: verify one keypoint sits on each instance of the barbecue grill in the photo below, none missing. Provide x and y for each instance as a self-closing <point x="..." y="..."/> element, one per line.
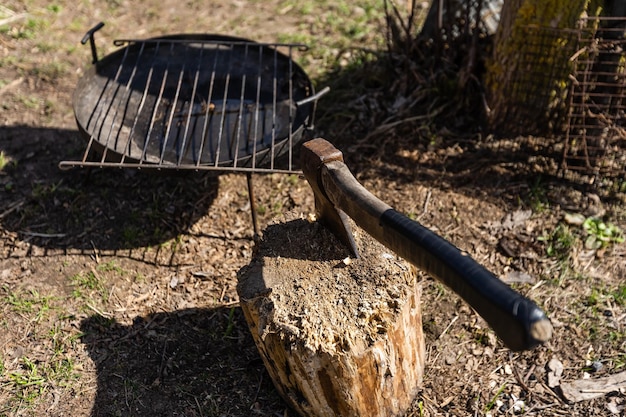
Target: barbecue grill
<point x="194" y="102"/>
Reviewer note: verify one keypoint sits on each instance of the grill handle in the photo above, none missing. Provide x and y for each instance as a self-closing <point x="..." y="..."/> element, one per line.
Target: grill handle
<point x="89" y="36"/>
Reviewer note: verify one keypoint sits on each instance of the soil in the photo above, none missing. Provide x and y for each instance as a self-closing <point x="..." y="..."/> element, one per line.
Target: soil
<point x="119" y="286"/>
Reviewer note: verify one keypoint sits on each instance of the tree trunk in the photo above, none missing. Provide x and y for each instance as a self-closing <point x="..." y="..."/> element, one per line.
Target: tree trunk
<point x="338" y="337"/>
<point x="526" y="79"/>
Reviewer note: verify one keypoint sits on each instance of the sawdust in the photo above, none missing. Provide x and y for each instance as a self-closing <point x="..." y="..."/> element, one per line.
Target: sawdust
<point x="319" y="297"/>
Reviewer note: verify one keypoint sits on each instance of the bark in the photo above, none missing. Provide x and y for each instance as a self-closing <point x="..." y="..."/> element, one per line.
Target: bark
<point x="526" y="78"/>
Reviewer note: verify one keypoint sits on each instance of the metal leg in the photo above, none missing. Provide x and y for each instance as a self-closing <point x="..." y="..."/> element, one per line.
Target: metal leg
<point x="255" y="223"/>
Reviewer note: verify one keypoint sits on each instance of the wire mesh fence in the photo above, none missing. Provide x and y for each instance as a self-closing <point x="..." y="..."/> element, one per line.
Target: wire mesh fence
<point x="577" y="77"/>
<point x="595" y="140"/>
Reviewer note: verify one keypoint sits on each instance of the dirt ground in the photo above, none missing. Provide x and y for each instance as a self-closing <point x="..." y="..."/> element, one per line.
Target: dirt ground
<point x="118" y="287"/>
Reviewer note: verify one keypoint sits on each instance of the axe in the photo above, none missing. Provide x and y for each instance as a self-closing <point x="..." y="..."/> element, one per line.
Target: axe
<point x="518" y="321"/>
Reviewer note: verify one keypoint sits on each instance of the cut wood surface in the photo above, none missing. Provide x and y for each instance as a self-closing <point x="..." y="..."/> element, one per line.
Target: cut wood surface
<point x="338" y="336"/>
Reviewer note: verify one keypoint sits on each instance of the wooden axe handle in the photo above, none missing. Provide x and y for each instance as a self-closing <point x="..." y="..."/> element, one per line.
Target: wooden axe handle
<point x="518" y="321"/>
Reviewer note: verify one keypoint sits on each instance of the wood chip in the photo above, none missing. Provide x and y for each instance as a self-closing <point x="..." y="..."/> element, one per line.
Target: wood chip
<point x="555" y="368"/>
<point x="518" y="277"/>
<point x="588" y="389"/>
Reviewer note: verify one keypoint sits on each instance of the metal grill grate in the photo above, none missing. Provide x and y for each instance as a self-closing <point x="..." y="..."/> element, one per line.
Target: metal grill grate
<point x="194" y="102"/>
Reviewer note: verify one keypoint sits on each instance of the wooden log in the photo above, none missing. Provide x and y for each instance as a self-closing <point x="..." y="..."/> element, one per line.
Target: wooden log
<point x="338" y="336"/>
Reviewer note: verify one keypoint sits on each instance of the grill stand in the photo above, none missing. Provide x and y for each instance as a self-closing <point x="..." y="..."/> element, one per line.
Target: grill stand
<point x="122" y="92"/>
<point x="255" y="223"/>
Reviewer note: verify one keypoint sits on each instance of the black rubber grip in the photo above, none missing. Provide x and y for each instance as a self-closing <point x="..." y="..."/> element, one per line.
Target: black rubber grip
<point x="518" y="321"/>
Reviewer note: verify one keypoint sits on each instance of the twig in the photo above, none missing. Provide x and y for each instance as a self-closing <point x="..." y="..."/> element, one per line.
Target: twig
<point x="102" y="313"/>
<point x="455" y="318"/>
<point x="578" y="53"/>
<point x="11" y="209"/>
<point x="95" y="251"/>
<point x="163" y="361"/>
<point x="11" y="85"/>
<point x="12" y="19"/>
<point x="530" y="372"/>
<point x="46" y="235"/>
<point x="198" y="405"/>
<point x="223" y="293"/>
<point x="144" y="296"/>
<point x="256" y="396"/>
<point x="387" y="126"/>
<point x="517" y="375"/>
<point x="425" y="206"/>
<point x="541" y="407"/>
<point x="228" y="304"/>
<point x="551" y="392"/>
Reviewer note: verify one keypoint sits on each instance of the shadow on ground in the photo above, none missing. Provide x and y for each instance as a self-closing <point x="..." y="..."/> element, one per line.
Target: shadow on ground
<point x="429" y="140"/>
<point x="82" y="208"/>
<point x="183" y="363"/>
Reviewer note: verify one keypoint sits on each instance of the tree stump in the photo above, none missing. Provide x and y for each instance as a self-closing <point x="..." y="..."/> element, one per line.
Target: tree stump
<point x="338" y="336"/>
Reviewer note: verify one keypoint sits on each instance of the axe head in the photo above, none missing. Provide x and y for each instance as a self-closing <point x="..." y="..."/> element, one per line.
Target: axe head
<point x="314" y="154"/>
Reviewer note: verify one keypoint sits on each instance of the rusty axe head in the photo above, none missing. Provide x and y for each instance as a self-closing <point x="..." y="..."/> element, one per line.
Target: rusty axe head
<point x="314" y="154"/>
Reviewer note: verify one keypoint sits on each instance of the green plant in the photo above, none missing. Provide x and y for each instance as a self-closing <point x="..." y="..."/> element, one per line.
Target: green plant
<point x="43" y="190"/>
<point x="113" y="4"/>
<point x="86" y="283"/>
<point x="277" y="208"/>
<point x="601" y="234"/>
<point x="29" y="383"/>
<point x="35" y="377"/>
<point x="88" y="280"/>
<point x="30" y="303"/>
<point x="139" y="277"/>
<point x="62" y="370"/>
<point x="537" y="196"/>
<point x="619" y="295"/>
<point x="492" y="403"/>
<point x="110" y="266"/>
<point x="28" y="30"/>
<point x="30" y="102"/>
<point x="49" y="71"/>
<point x="420" y="408"/>
<point x="130" y="234"/>
<point x="559" y="242"/>
<point x="54" y="8"/>
<point x="339" y="27"/>
<point x="4" y="160"/>
<point x="292" y="179"/>
<point x="594" y="297"/>
<point x="231" y="323"/>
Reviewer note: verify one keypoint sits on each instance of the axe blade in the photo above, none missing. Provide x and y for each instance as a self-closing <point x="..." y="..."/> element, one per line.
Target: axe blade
<point x="314" y="155"/>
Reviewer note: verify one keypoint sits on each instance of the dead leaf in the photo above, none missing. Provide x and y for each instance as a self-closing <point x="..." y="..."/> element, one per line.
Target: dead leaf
<point x="555" y="368"/>
<point x="515" y="219"/>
